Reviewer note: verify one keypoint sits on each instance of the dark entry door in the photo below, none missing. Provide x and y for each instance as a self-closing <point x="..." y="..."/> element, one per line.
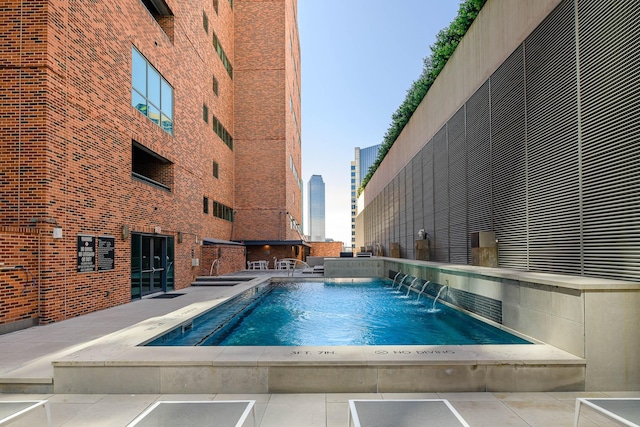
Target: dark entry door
<point x="150" y="263"/>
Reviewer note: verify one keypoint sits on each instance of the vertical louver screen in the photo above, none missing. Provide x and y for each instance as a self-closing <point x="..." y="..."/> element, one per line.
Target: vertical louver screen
<point x="609" y="37"/>
<point x="418" y="200"/>
<point x="388" y="210"/>
<point x="479" y="160"/>
<point x="427" y="188"/>
<point x="509" y="161"/>
<point x="407" y="226"/>
<point x="552" y="144"/>
<point x="458" y="228"/>
<point x="402" y="207"/>
<point x="441" y="195"/>
<point x="546" y="153"/>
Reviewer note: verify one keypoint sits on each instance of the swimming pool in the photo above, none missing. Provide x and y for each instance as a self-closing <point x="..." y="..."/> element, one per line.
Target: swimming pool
<point x="333" y="313"/>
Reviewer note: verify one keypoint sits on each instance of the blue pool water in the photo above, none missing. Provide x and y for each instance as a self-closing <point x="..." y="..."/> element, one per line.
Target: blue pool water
<point x="334" y="313"/>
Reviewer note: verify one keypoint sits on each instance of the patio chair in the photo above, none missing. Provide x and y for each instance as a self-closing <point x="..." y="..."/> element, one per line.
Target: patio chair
<point x="23" y="412"/>
<point x="210" y="413"/>
<point x="283" y="264"/>
<point x="623" y="410"/>
<point x="400" y="413"/>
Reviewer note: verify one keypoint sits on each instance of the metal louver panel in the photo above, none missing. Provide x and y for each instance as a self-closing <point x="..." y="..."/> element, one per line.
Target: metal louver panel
<point x="395" y="215"/>
<point x="609" y="40"/>
<point x="378" y="221"/>
<point x="370" y="219"/>
<point x="427" y="189"/>
<point x="401" y="216"/>
<point x="386" y="207"/>
<point x="479" y="161"/>
<point x="441" y="196"/>
<point x="545" y="154"/>
<point x="407" y="212"/>
<point x="552" y="144"/>
<point x="418" y="201"/>
<point x="458" y="230"/>
<point x="509" y="160"/>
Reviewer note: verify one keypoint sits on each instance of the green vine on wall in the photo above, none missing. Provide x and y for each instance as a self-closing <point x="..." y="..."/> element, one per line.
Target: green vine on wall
<point x="446" y="43"/>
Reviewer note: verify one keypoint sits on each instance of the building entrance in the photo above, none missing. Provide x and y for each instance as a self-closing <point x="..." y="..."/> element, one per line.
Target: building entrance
<point x="151" y="264"/>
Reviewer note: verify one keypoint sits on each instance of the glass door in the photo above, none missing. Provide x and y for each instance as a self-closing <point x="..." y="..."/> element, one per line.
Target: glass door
<point x="151" y="264"/>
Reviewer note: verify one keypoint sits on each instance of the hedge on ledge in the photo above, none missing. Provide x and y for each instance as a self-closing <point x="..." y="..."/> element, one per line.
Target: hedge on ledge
<point x="446" y="42"/>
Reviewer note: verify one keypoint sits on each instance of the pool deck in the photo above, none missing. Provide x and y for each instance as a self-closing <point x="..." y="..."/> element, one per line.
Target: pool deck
<point x="26" y="373"/>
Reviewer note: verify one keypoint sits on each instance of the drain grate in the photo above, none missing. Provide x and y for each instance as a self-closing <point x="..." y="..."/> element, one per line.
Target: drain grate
<point x="166" y="296"/>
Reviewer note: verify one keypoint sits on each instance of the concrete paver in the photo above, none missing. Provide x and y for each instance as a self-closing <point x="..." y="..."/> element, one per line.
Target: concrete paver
<point x="327" y="410"/>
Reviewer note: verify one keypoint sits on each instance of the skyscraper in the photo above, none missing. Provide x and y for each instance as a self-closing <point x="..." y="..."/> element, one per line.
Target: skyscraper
<point x="316" y="209"/>
<point x="364" y="159"/>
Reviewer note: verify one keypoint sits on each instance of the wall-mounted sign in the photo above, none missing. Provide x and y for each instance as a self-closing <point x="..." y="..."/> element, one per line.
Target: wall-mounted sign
<point x="106" y="253"/>
<point x="86" y="253"/>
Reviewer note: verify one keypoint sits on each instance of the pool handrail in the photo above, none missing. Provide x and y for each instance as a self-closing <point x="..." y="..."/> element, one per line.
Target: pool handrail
<point x="293" y="262"/>
<point x="216" y="263"/>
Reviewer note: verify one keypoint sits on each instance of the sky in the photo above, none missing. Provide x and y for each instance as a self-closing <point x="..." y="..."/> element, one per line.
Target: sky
<point x="359" y="58"/>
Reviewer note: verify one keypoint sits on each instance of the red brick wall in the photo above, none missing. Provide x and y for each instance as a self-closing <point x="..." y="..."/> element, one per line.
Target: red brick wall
<point x="68" y="126"/>
<point x="18" y="287"/>
<point x="265" y="82"/>
<point x="232" y="258"/>
<point x="269" y="252"/>
<point x="293" y="116"/>
<point x="326" y="249"/>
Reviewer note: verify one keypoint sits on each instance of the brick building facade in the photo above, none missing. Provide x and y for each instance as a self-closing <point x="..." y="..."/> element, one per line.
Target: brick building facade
<point x="134" y="131"/>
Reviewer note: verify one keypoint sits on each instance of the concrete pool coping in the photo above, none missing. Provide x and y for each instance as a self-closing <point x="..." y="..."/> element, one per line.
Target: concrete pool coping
<point x="116" y="363"/>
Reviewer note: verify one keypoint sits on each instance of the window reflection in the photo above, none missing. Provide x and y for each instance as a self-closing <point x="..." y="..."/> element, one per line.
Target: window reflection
<point x="150" y="93"/>
<point x="167" y="99"/>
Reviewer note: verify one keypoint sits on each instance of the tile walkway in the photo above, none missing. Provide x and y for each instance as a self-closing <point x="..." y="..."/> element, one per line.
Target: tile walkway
<point x="331" y="410"/>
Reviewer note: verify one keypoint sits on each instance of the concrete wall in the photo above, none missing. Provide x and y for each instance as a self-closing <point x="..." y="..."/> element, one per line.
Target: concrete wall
<point x="353" y="267"/>
<point x="500" y="27"/>
<point x="612" y="339"/>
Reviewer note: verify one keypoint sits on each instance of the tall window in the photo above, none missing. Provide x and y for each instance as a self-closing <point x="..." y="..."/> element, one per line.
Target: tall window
<point x="223" y="56"/>
<point x="222" y="211"/>
<point x="222" y="132"/>
<point x="205" y="22"/>
<point x="150" y="92"/>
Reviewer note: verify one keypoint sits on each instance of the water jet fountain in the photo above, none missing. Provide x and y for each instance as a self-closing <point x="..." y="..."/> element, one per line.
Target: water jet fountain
<point x="422" y="290"/>
<point x="411" y="285"/>
<point x="393" y="285"/>
<point x="433" y="308"/>
<point x="401" y="281"/>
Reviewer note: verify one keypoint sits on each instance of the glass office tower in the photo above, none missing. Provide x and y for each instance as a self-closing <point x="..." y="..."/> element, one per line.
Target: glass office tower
<point x="316" y="209"/>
